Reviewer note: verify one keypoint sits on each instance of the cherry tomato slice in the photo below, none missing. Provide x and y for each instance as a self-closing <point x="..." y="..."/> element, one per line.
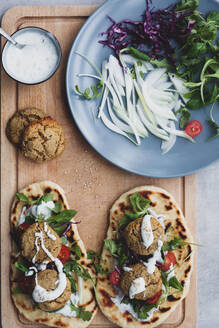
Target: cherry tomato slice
<point x="170" y="258"/>
<point x="115" y="278"/>
<point x="64" y="254"/>
<point x="193" y="128"/>
<point x="155" y="298"/>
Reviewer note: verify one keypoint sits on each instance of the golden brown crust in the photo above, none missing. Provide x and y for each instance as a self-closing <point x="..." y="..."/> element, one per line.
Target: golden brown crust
<point x="47" y="279"/>
<point x="153" y="282"/>
<point x="43" y="140"/>
<point x="19" y="121"/>
<point x="132" y="235"/>
<point x="28" y="246"/>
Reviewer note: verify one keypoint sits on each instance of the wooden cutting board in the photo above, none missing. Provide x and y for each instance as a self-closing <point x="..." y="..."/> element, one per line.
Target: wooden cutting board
<point x="90" y="182"/>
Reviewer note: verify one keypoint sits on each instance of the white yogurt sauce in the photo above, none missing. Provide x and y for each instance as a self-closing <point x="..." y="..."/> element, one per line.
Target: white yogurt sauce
<point x="128" y="307"/>
<point x="146" y="231"/>
<point x="31" y="271"/>
<point x="49" y="234"/>
<point x="159" y="217"/>
<point x="44" y="209"/>
<point x="36" y="61"/>
<point x="127" y="269"/>
<point x="157" y="257"/>
<point x="22" y="215"/>
<point x="137" y="286"/>
<point x="66" y="310"/>
<point x="42" y="266"/>
<point x="170" y="272"/>
<point x="40" y="294"/>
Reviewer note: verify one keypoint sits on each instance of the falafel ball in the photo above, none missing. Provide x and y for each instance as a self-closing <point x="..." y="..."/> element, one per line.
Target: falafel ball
<point x="153" y="282"/>
<point x="50" y="238"/>
<point x="132" y="235"/>
<point x="47" y="279"/>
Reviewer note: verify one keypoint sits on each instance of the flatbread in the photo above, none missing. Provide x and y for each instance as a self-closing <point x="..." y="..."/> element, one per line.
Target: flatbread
<point x="23" y="302"/>
<point x="162" y="203"/>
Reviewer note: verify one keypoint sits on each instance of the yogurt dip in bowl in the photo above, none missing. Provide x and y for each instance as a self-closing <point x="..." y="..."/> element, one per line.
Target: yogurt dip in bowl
<point x="37" y="61"/>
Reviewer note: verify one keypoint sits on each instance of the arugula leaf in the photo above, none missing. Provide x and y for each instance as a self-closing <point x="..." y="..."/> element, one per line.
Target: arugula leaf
<point x="213" y="124"/>
<point x="22" y="198"/>
<point x="21" y="267"/>
<point x="140" y="308"/>
<point x="73" y="286"/>
<point x="140" y="207"/>
<point x="143" y="311"/>
<point x="139" y="204"/>
<point x="111" y="246"/>
<point x="173" y="244"/>
<point x="216" y="129"/>
<point x="184" y="118"/>
<point x="40" y="218"/>
<point x="174" y="282"/>
<point x="195" y="102"/>
<point x="176" y="243"/>
<point x="30" y="219"/>
<point x="95" y="258"/>
<point x="213" y="16"/>
<point x="117" y="249"/>
<point x="72" y="265"/>
<point x="125" y="220"/>
<point x="57" y="208"/>
<point x="95" y="91"/>
<point x="76" y="251"/>
<point x="81" y="313"/>
<point x="47" y="197"/>
<point x="61" y="217"/>
<point x="187" y="5"/>
<point x="161" y="63"/>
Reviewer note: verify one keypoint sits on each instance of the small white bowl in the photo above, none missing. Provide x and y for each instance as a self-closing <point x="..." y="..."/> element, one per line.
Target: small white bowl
<point x="45" y="33"/>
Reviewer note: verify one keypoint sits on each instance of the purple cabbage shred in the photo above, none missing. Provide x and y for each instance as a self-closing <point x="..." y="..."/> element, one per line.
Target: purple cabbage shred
<point x="151" y="35"/>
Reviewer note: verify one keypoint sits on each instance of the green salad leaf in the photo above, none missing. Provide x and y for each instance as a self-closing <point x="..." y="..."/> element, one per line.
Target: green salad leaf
<point x="117" y="249"/>
<point x="81" y="313"/>
<point x="48" y="197"/>
<point x="21" y="267"/>
<point x="140" y="206"/>
<point x="22" y="198"/>
<point x="187" y="5"/>
<point x="57" y="208"/>
<point x="184" y="118"/>
<point x="62" y="217"/>
<point x="95" y="258"/>
<point x="76" y="251"/>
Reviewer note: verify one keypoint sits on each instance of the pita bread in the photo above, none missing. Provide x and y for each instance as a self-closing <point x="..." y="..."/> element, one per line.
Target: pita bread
<point x="162" y="203"/>
<point x="23" y="302"/>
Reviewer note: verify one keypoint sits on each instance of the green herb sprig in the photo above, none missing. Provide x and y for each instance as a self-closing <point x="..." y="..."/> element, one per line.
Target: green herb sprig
<point x="140" y="206"/>
<point x="95" y="258"/>
<point x="81" y="313"/>
<point x="21" y="267"/>
<point x="117" y="249"/>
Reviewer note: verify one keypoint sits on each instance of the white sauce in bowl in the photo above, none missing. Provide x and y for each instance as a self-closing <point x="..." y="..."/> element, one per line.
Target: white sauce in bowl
<point x="36" y="61"/>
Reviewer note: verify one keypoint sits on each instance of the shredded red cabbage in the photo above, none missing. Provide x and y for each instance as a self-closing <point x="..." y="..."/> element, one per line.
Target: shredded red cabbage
<point x="152" y="34"/>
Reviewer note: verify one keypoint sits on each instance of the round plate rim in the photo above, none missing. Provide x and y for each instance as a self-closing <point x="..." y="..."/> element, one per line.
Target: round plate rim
<point x="162" y="176"/>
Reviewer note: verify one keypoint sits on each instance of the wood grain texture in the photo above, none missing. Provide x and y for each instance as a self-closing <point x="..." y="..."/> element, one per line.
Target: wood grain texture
<point x="91" y="183"/>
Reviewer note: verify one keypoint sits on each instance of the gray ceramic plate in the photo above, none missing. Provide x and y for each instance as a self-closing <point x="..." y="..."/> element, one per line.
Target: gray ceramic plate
<point x="184" y="158"/>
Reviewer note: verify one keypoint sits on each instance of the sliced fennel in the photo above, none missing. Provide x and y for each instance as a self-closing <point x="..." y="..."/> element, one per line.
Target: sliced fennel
<point x="138" y="98"/>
